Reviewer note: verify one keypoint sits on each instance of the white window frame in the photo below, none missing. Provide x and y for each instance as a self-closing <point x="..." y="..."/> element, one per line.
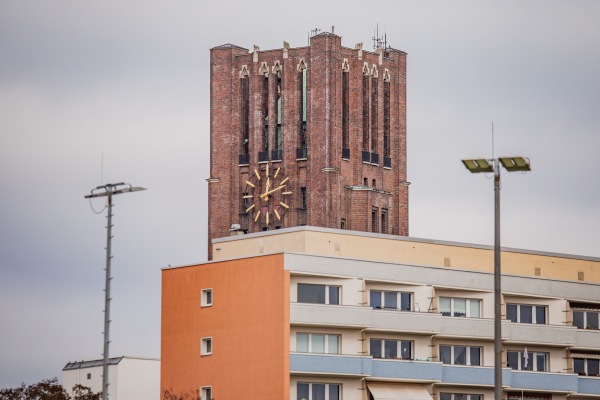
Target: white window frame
<point x="204" y="390"/>
<point x="468" y="302"/>
<point x="326" y="344"/>
<point x="398" y="299"/>
<point x="399" y="346"/>
<point x="585" y="364"/>
<point x="204" y="297"/>
<point x="533" y="313"/>
<point x="532" y="360"/>
<point x="327" y="288"/>
<point x="310" y="387"/>
<point x="467" y="355"/>
<point x="206" y="346"/>
<point x="585" y="314"/>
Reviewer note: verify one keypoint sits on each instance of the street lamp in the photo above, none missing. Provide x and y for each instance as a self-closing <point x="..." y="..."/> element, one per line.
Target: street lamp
<point x="511" y="164"/>
<point x="108" y="190"/>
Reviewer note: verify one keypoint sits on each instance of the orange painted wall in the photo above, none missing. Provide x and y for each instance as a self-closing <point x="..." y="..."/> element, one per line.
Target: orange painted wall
<point x="248" y="323"/>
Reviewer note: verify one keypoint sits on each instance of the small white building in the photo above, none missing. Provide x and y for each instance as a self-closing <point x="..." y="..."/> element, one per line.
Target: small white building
<point x="129" y="378"/>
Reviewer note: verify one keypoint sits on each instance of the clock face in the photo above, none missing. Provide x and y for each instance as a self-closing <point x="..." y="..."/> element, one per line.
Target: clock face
<point x="267" y="196"/>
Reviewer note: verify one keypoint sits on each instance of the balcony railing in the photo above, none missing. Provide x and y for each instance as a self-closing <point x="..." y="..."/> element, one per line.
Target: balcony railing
<point x="301" y="152"/>
<point x="263" y="156"/>
<point x="345" y="153"/>
<point x="244" y="159"/>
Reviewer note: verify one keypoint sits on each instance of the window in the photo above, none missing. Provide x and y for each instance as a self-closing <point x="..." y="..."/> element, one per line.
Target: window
<point x="391" y="300"/>
<point x="303" y="198"/>
<point x="458" y="307"/>
<point x="386" y="348"/>
<point x="585" y="319"/>
<point x="583" y="365"/>
<point x="386" y="118"/>
<point x="265" y="110"/>
<point x="384" y="220"/>
<point x="317" y="343"/>
<point x="277" y="140"/>
<point x="206" y="346"/>
<point x="374" y="185"/>
<point x="365" y="116"/>
<point x="206" y="298"/>
<point x="374" y="114"/>
<point x="89" y="376"/>
<point x="343" y="223"/>
<point x="529" y="396"/>
<point x="206" y="393"/>
<point x="374" y="219"/>
<point x="460" y="355"/>
<point x="318" y="294"/>
<point x="460" y="396"/>
<point x="345" y="111"/>
<point x="526" y="314"/>
<point x="318" y="391"/>
<point x="527" y="361"/>
<point x="244" y="114"/>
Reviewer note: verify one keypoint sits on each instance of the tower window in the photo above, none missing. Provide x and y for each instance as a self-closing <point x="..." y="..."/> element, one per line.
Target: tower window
<point x="374" y="114"/>
<point x="386" y="120"/>
<point x="244" y="115"/>
<point x="374" y="220"/>
<point x="384" y="220"/>
<point x="277" y="142"/>
<point x="345" y="115"/>
<point x="265" y="113"/>
<point x="301" y="150"/>
<point x="303" y="198"/>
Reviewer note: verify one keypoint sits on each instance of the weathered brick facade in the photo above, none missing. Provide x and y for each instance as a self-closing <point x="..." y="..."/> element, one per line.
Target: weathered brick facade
<point x="341" y="140"/>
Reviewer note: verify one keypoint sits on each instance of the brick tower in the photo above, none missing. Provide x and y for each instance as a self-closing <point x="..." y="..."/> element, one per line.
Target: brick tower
<point x="312" y="135"/>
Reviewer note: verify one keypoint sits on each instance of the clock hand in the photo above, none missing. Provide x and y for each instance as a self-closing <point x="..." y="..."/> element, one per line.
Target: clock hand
<point x="262" y="196"/>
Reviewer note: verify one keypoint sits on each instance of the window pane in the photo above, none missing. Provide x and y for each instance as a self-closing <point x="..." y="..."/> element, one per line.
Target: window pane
<point x="593" y="367"/>
<point x="405" y="301"/>
<point x="406" y="350"/>
<point x="512" y="359"/>
<point x="317" y="343"/>
<point x="511" y="312"/>
<point x="540" y="314"/>
<point x="334" y="295"/>
<point x="445" y="306"/>
<point x="540" y="362"/>
<point x="591" y="320"/>
<point x="311" y="293"/>
<point x="302" y="342"/>
<point x="376" y="348"/>
<point x="527" y="360"/>
<point x="475" y="355"/>
<point x="445" y="355"/>
<point x="475" y="397"/>
<point x="474" y="308"/>
<point x="302" y="391"/>
<point x="460" y="307"/>
<point x="334" y="392"/>
<point x="318" y="391"/>
<point x="445" y="396"/>
<point x="579" y="366"/>
<point x="375" y="299"/>
<point x="333" y="344"/>
<point x="390" y="348"/>
<point x="460" y="355"/>
<point x="525" y="314"/>
<point x="578" y="319"/>
<point x="390" y="300"/>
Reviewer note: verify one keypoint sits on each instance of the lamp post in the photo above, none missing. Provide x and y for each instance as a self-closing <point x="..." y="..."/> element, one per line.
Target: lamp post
<point x="108" y="190"/>
<point x="479" y="165"/>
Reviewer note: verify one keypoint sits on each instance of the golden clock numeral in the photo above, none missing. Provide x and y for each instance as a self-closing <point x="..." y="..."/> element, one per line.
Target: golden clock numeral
<point x="286" y="193"/>
<point x="284" y="181"/>
<point x="276" y="172"/>
<point x="256" y="216"/>
<point x="267" y="218"/>
<point x="278" y="216"/>
<point x="257" y="175"/>
<point x="247" y="197"/>
<point x="284" y="205"/>
<point x="250" y="208"/>
<point x="250" y="184"/>
<point x="267" y="173"/>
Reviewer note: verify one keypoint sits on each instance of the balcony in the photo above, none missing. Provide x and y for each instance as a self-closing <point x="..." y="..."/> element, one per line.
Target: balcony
<point x="479" y="328"/>
<point x="330" y="364"/>
<point x="407" y="370"/>
<point x="244" y="159"/>
<point x="548" y="381"/>
<point x="263" y="156"/>
<point x="542" y="334"/>
<point x="473" y="375"/>
<point x="587" y="338"/>
<point x="301" y="153"/>
<point x="588" y="385"/>
<point x="345" y="153"/>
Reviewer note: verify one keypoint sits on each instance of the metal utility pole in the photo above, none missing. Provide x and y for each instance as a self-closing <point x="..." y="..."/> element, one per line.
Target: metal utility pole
<point x="511" y="164"/>
<point x="108" y="190"/>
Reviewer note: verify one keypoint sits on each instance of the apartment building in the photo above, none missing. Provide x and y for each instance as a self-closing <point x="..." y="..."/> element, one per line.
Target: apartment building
<point x="325" y="314"/>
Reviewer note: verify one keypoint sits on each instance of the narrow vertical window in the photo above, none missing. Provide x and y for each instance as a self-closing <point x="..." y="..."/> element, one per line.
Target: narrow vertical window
<point x="244" y="120"/>
<point x="343" y="223"/>
<point x="277" y="142"/>
<point x="387" y="161"/>
<point x="384" y="220"/>
<point x="301" y="149"/>
<point x="303" y="198"/>
<point x="264" y="154"/>
<point x="374" y="220"/>
<point x="365" y="105"/>
<point x="206" y="298"/>
<point x="206" y="346"/>
<point x="374" y="116"/>
<point x="345" y="116"/>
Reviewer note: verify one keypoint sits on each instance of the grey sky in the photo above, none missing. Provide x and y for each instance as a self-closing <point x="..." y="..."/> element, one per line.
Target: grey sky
<point x="130" y="79"/>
